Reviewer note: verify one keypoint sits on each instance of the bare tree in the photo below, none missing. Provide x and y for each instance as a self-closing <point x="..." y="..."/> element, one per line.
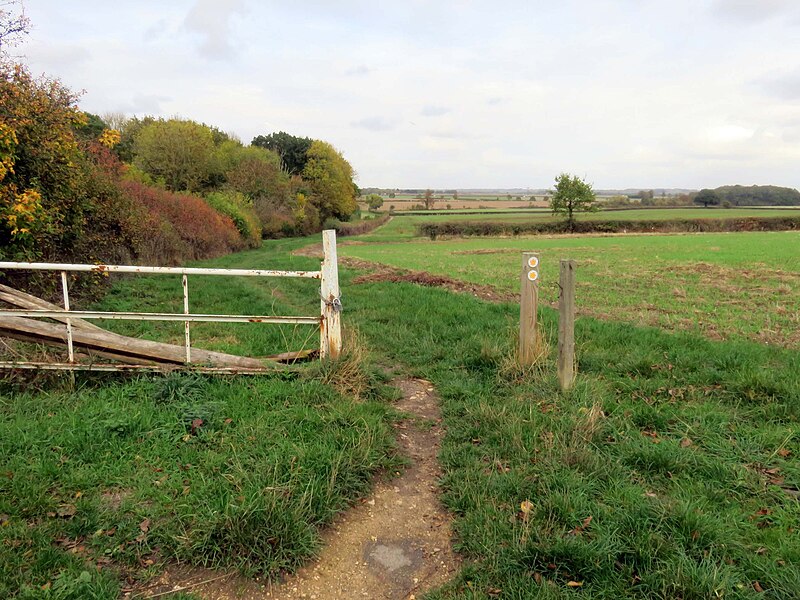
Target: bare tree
<point x="14" y="25"/>
<point x="429" y="199"/>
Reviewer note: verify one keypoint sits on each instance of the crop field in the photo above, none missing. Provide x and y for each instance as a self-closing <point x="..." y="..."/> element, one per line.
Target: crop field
<point x="721" y="285"/>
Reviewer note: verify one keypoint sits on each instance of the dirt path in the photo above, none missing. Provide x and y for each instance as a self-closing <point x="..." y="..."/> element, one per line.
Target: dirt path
<point x="396" y="544"/>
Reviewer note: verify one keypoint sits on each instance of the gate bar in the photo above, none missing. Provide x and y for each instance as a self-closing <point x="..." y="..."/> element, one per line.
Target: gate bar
<point x="34" y="266"/>
<point x="134" y="316"/>
<point x="65" y="287"/>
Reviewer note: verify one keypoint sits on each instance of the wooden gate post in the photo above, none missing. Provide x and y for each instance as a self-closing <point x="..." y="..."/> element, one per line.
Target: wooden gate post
<point x="330" y="345"/>
<point x="528" y="308"/>
<point x="566" y="325"/>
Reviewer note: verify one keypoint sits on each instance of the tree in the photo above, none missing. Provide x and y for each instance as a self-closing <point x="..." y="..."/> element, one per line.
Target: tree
<point x="429" y="199"/>
<point x="572" y="194"/>
<point x="54" y="200"/>
<point x="13" y="24"/>
<point x="175" y="151"/>
<point x="706" y="197"/>
<point x="293" y="150"/>
<point x="374" y="201"/>
<point x="329" y="178"/>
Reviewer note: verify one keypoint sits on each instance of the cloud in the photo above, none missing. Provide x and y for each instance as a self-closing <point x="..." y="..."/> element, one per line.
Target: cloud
<point x="211" y="20"/>
<point x="358" y="71"/>
<point x="144" y="104"/>
<point x="786" y="87"/>
<point x="434" y="111"/>
<point x="751" y="11"/>
<point x="375" y="124"/>
<point x="60" y="56"/>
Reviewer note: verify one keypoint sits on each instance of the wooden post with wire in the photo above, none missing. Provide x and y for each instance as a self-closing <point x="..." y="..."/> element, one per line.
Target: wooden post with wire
<point x="528" y="308"/>
<point x="566" y="325"/>
<point x="331" y="305"/>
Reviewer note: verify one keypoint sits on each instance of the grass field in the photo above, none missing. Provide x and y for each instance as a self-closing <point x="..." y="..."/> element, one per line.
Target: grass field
<point x="403" y="227"/>
<point x="721" y="285"/>
<point x="669" y="472"/>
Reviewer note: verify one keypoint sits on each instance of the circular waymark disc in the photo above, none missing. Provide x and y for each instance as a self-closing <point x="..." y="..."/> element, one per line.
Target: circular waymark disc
<point x="533" y="275"/>
<point x="533" y="262"/>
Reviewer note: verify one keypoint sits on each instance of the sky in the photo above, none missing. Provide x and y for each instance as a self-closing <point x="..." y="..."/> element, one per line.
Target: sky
<point x="458" y="93"/>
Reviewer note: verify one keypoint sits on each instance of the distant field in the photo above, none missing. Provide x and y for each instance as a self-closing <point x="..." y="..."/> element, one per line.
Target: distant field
<point x="403" y="227"/>
<point x="730" y="284"/>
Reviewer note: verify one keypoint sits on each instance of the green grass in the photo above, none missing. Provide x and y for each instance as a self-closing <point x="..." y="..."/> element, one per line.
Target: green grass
<point x="722" y="285"/>
<point x="665" y="443"/>
<point x="404" y="227"/>
<point x="678" y="447"/>
<point x="103" y="481"/>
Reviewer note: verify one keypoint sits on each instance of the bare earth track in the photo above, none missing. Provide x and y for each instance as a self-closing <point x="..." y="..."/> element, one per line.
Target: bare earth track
<point x="395" y="544"/>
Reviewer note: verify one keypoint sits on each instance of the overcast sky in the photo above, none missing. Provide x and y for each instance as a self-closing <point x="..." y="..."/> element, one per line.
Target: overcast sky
<point x="628" y="93"/>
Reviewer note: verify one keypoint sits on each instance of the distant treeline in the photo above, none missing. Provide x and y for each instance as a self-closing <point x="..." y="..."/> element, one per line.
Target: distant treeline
<point x="495" y="228"/>
<point x="758" y="195"/>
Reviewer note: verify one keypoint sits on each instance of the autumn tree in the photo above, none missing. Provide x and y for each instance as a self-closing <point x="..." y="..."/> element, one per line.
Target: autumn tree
<point x="54" y="200"/>
<point x="572" y="194"/>
<point x="177" y="152"/>
<point x="329" y="178"/>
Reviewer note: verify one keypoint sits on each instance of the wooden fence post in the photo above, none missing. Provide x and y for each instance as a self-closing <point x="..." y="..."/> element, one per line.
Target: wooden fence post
<point x="331" y="323"/>
<point x="566" y="325"/>
<point x="528" y="308"/>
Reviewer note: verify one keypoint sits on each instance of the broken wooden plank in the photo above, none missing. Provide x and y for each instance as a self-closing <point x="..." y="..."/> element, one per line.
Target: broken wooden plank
<point x="291" y="357"/>
<point x="126" y="349"/>
<point x="20" y="299"/>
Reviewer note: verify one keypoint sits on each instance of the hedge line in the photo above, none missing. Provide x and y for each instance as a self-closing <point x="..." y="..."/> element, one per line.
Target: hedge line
<point x="495" y="228"/>
<point x="358" y="228"/>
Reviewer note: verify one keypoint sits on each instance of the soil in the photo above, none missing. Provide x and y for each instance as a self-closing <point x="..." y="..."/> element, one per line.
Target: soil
<point x="381" y="273"/>
<point x="395" y="544"/>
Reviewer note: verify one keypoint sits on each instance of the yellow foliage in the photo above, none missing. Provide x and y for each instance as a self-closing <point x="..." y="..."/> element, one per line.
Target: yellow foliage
<point x="22" y="211"/>
<point x="8" y="142"/>
<point x="110" y="138"/>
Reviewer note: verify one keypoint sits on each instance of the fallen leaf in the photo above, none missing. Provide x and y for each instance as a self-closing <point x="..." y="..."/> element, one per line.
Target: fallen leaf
<point x="196" y="424"/>
<point x="145" y="525"/>
<point x="574" y="583"/>
<point x="783" y="452"/>
<point x="78" y="495"/>
<point x="526" y="507"/>
<point x="686" y="442"/>
<point x="66" y="510"/>
<point x="757" y="587"/>
<point x="537" y="577"/>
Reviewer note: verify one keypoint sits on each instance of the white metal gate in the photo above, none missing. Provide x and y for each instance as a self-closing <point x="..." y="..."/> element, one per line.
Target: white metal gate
<point x="328" y="321"/>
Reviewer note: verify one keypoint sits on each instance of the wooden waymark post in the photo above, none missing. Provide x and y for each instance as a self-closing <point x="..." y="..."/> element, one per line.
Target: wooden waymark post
<point x="331" y="320"/>
<point x="566" y="325"/>
<point x="528" y="307"/>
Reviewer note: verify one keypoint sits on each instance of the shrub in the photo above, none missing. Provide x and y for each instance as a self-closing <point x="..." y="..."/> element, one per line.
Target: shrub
<point x="240" y="210"/>
<point x="202" y="231"/>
